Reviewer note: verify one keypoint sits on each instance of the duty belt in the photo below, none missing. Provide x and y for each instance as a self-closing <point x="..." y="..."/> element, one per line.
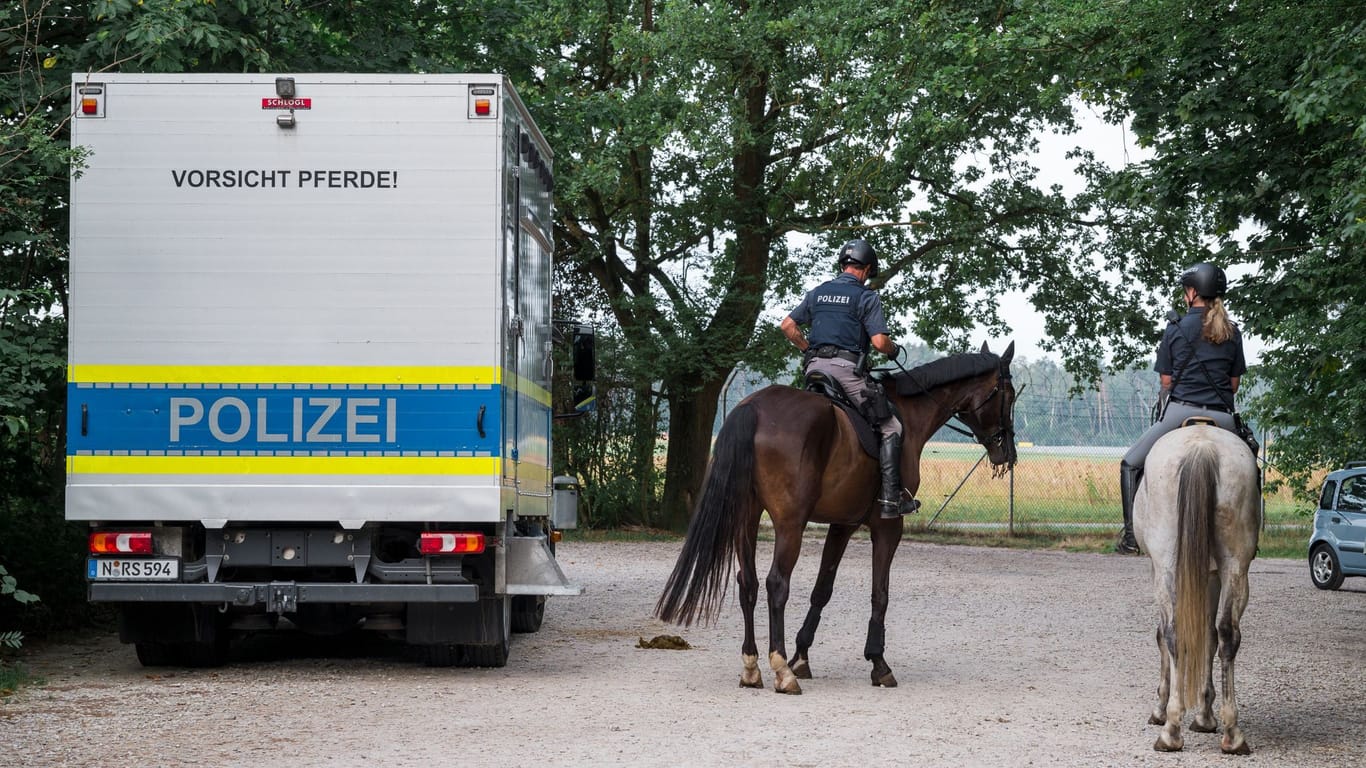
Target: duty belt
<point x="1202" y="406"/>
<point x="829" y="350"/>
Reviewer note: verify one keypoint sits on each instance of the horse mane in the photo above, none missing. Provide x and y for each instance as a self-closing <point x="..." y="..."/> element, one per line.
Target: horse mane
<point x="946" y="370"/>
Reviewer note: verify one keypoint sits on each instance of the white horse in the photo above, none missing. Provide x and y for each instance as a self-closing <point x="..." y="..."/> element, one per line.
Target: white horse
<point x="1196" y="516"/>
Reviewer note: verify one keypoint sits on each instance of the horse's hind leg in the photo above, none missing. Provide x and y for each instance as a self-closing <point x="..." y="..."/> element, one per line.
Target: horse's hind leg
<point x="1170" y="740"/>
<point x="836" y="541"/>
<point x="886" y="535"/>
<point x="1230" y="637"/>
<point x="1164" y="685"/>
<point x="1204" y="721"/>
<point x="748" y="582"/>
<point x="786" y="547"/>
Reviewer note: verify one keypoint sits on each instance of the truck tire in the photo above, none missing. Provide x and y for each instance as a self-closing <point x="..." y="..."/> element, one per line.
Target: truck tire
<point x="202" y="654"/>
<point x="528" y="611"/>
<point x="155" y="654"/>
<point x="494" y="654"/>
<point x="439" y="654"/>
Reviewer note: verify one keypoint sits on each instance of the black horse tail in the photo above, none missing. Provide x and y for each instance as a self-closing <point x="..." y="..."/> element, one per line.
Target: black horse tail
<point x="1197" y="498"/>
<point x="701" y="576"/>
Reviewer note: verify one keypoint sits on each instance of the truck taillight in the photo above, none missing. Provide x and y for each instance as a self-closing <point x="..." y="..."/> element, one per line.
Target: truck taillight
<point x="450" y="543"/>
<point x="124" y="543"/>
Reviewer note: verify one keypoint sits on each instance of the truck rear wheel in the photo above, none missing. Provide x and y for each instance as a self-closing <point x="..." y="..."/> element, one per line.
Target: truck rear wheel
<point x="494" y="654"/>
<point x="210" y="653"/>
<point x="439" y="654"/>
<point x="528" y="611"/>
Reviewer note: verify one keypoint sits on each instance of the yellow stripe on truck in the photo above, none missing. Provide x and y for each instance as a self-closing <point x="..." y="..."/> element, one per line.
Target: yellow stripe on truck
<point x="283" y="374"/>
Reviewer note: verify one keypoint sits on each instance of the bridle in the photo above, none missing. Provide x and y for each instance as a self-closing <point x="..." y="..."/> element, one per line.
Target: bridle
<point x="1004" y="436"/>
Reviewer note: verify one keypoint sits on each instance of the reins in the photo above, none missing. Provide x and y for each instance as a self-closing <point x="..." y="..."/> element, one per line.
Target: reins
<point x="1007" y="422"/>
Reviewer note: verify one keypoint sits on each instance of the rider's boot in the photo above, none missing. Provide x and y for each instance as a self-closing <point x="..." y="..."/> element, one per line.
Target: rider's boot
<point x="890" y="502"/>
<point x="1128" y="486"/>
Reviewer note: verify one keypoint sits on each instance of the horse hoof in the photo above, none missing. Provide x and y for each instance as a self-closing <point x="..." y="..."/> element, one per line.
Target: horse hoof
<point x="1161" y="745"/>
<point x="791" y="689"/>
<point x="1156" y="720"/>
<point x="751" y="683"/>
<point x="801" y="669"/>
<point x="886" y="681"/>
<point x="1241" y="749"/>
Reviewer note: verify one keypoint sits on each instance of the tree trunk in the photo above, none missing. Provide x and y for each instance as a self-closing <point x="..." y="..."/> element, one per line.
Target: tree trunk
<point x="692" y="413"/>
<point x="645" y="423"/>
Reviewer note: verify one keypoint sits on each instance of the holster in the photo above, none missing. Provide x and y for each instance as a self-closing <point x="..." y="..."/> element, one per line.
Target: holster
<point x="1246" y="434"/>
<point x="876" y="409"/>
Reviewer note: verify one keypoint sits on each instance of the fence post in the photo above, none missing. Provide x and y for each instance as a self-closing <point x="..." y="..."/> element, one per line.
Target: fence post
<point x="1011" y="502"/>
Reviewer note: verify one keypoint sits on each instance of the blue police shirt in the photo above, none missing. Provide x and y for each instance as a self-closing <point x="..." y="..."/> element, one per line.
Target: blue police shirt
<point x="1202" y="370"/>
<point x="841" y="312"/>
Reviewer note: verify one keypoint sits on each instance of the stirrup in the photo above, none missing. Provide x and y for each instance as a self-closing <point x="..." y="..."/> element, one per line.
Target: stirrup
<point x="892" y="510"/>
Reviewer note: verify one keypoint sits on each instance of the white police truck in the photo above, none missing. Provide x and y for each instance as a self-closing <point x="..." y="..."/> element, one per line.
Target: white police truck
<point x="310" y="360"/>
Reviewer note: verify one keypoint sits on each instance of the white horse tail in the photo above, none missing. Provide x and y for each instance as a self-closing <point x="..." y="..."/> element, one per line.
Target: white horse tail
<point x="1197" y="496"/>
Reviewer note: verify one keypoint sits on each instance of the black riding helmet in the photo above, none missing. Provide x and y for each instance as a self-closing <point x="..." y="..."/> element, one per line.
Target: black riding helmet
<point x="861" y="253"/>
<point x="1208" y="280"/>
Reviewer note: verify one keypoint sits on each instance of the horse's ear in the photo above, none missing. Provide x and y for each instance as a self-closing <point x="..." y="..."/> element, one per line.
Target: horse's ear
<point x="985" y="351"/>
<point x="1009" y="353"/>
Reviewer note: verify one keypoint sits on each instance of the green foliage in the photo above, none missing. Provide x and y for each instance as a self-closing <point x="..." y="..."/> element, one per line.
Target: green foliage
<point x="9" y="587"/>
<point x="693" y="140"/>
<point x="1254" y="113"/>
<point x="9" y="590"/>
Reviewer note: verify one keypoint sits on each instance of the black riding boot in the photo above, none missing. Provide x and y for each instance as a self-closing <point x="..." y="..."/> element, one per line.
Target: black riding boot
<point x="1128" y="486"/>
<point x="889" y="460"/>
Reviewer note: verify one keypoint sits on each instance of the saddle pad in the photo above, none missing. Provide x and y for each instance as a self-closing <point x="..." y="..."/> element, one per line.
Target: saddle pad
<point x="867" y="438"/>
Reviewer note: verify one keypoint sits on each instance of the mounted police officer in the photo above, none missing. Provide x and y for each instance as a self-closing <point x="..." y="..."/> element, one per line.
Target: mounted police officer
<point x="845" y="319"/>
<point x="1201" y="362"/>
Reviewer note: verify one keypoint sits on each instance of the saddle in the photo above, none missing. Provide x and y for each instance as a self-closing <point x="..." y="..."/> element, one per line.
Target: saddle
<point x="1196" y="421"/>
<point x="824" y="385"/>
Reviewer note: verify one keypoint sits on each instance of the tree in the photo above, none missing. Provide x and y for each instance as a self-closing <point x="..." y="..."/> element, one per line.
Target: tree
<point x="1253" y="111"/>
<point x="694" y="139"/>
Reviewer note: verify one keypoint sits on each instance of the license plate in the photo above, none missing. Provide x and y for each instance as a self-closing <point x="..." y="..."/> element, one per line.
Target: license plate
<point x="134" y="568"/>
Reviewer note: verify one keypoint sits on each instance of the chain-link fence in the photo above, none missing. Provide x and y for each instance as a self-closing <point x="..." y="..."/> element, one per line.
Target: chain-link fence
<point x="1066" y="479"/>
<point x="1068" y="487"/>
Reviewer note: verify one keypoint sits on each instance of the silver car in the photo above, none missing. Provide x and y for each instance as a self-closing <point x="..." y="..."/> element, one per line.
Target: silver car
<point x="1337" y="548"/>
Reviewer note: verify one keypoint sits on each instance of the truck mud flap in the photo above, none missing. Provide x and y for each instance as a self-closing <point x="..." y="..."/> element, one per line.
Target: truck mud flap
<point x="532" y="570"/>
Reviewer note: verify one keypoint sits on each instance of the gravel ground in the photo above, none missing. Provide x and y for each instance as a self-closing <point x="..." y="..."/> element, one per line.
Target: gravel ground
<point x="1005" y="658"/>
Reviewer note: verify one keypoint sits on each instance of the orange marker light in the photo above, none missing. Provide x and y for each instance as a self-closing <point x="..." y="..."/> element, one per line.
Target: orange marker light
<point x="90" y="106"/>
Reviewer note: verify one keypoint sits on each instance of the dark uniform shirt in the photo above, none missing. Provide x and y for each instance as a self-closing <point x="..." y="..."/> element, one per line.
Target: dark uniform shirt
<point x="843" y="313"/>
<point x="1201" y="370"/>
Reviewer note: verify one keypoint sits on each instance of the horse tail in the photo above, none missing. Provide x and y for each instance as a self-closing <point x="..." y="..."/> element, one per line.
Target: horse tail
<point x="1197" y="498"/>
<point x="699" y="580"/>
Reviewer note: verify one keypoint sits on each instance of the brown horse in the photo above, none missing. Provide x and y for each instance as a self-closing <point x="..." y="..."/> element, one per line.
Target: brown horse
<point x="796" y="455"/>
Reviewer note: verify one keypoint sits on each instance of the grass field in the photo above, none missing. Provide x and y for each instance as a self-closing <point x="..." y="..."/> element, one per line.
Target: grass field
<point x="1064" y="498"/>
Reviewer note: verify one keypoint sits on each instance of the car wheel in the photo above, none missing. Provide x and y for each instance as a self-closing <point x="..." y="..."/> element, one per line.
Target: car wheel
<point x="1324" y="569"/>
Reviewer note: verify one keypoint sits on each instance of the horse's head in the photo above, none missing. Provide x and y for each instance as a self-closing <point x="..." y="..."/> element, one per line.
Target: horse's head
<point x="988" y="409"/>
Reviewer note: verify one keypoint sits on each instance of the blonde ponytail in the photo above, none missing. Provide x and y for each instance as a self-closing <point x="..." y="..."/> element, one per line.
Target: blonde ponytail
<point x="1216" y="327"/>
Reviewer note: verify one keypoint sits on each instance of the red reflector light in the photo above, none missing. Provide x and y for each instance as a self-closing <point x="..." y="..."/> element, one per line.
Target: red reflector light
<point x="107" y="543"/>
<point x="89" y="107"/>
<point x="482" y="106"/>
<point x="451" y="543"/>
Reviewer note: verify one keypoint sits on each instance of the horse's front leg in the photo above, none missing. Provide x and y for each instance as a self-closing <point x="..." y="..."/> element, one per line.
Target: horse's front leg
<point x="786" y="547"/>
<point x="886" y="536"/>
<point x="836" y="541"/>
